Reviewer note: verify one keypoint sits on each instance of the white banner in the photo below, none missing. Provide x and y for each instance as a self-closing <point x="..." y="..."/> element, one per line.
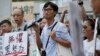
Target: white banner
<point x="15" y="43"/>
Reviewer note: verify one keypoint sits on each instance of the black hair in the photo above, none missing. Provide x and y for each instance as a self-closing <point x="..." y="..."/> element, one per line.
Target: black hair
<point x="91" y="22"/>
<point x="51" y="4"/>
<point x="6" y="21"/>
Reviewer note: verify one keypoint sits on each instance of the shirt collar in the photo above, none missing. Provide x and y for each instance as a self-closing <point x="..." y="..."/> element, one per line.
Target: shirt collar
<point x="22" y="26"/>
<point x="49" y="27"/>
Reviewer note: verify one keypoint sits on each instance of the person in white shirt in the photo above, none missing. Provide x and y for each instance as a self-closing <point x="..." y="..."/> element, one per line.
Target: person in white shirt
<point x="18" y="16"/>
<point x="59" y="33"/>
<point x="22" y="25"/>
<point x="88" y="30"/>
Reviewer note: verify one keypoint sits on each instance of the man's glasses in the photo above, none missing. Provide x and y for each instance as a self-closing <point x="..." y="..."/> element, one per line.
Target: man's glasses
<point x="49" y="9"/>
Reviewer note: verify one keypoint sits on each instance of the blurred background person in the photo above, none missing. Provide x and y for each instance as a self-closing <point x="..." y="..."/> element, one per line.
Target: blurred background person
<point x="63" y="16"/>
<point x="67" y="23"/>
<point x="83" y="11"/>
<point x="6" y="26"/>
<point x="18" y="16"/>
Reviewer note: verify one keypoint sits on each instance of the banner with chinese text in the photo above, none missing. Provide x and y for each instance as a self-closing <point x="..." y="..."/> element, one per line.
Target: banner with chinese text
<point x="15" y="43"/>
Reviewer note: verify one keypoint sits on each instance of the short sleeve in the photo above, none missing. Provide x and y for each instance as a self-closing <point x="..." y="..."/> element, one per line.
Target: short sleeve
<point x="63" y="33"/>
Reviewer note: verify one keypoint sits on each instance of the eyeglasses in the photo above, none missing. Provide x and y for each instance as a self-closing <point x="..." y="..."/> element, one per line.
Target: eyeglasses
<point x="49" y="9"/>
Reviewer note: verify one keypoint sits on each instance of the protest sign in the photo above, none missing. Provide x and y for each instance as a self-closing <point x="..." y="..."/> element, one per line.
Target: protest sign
<point x="15" y="43"/>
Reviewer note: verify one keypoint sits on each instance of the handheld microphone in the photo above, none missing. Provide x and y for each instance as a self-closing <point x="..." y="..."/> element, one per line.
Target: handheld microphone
<point x="34" y="23"/>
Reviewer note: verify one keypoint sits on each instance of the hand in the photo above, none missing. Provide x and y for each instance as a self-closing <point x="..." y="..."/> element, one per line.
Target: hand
<point x="36" y="28"/>
<point x="64" y="12"/>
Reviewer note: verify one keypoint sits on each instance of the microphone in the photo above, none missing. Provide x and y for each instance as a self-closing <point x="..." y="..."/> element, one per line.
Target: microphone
<point x="34" y="23"/>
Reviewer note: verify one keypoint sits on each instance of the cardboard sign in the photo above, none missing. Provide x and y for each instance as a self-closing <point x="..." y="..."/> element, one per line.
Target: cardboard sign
<point x="15" y="43"/>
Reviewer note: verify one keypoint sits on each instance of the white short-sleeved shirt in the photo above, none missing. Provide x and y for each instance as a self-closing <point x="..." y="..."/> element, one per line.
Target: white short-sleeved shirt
<point x="89" y="47"/>
<point x="61" y="32"/>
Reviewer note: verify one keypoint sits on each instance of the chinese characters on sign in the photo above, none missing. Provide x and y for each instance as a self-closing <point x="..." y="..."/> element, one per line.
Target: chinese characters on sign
<point x="15" y="43"/>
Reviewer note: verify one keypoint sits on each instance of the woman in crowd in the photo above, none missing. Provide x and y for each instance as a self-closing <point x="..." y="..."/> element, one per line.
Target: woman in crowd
<point x="88" y="30"/>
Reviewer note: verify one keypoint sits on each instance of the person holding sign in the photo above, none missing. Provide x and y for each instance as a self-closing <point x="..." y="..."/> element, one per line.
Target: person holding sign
<point x="22" y="25"/>
<point x="18" y="16"/>
<point x="6" y="26"/>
